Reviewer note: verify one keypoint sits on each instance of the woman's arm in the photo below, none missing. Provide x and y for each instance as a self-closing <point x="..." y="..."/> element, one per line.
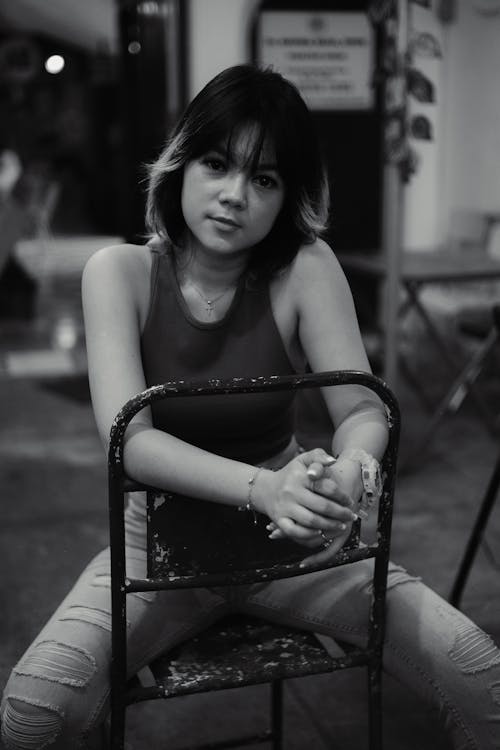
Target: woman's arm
<point x="330" y="338"/>
<point x="329" y="335"/>
<point x="115" y="291"/>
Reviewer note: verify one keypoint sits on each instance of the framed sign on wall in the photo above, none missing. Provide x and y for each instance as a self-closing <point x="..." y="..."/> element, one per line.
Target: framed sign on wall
<point x="328" y="55"/>
<point x="332" y="50"/>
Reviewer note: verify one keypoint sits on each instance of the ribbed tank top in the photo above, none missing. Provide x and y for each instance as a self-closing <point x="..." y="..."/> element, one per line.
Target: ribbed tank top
<point x="244" y="343"/>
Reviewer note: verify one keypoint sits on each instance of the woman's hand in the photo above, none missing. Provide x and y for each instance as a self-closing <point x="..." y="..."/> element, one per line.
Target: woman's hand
<point x="339" y="484"/>
<point x="304" y="500"/>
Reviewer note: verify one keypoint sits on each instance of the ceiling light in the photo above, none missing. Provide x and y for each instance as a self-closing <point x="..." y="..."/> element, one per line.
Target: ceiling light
<point x="54" y="64"/>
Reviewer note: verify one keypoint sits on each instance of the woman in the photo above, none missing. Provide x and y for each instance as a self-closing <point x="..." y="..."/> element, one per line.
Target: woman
<point x="236" y="282"/>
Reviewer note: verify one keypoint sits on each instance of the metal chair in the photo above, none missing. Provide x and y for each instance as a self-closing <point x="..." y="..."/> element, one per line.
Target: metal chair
<point x="229" y="549"/>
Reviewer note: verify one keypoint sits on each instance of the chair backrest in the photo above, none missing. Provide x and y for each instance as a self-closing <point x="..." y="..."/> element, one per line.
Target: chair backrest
<point x="197" y="543"/>
<point x="468" y="229"/>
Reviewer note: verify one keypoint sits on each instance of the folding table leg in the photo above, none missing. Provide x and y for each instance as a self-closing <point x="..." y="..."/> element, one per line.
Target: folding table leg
<point x="476" y="536"/>
<point x="467" y="375"/>
<point x="452" y="400"/>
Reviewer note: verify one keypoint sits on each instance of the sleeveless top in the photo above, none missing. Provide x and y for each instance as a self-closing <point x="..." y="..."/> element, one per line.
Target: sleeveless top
<point x="244" y="343"/>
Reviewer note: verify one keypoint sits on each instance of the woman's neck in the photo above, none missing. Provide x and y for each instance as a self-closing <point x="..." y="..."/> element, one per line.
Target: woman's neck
<point x="210" y="272"/>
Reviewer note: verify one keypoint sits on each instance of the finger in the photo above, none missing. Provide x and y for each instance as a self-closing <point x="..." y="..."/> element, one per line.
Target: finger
<point x="302" y="533"/>
<point x="330" y="489"/>
<point x="276" y="534"/>
<point x="315" y="470"/>
<point x="314" y="536"/>
<point x="325" y="555"/>
<point x="325" y="507"/>
<point x="309" y="520"/>
<point x="317" y="454"/>
<point x="316" y="459"/>
<point x="296" y="530"/>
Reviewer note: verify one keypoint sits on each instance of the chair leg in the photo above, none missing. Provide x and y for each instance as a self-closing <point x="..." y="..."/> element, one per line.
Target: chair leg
<point x="375" y="705"/>
<point x="277" y="714"/>
<point x="476" y="536"/>
<point x="117" y="722"/>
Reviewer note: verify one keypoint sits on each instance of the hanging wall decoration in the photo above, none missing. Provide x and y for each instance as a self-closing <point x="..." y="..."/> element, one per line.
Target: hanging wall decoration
<point x="421" y="128"/>
<point x="392" y="77"/>
<point x="420" y="87"/>
<point x="400" y="77"/>
<point x="424" y="44"/>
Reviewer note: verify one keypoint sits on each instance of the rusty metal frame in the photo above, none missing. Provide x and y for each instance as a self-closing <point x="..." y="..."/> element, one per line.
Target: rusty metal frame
<point x="119" y="484"/>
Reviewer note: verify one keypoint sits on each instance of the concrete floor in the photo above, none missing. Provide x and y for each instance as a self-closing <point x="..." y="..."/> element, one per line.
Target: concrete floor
<point x="54" y="518"/>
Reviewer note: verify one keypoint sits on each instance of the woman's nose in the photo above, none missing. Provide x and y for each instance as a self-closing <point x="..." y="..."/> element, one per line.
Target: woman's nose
<point x="234" y="189"/>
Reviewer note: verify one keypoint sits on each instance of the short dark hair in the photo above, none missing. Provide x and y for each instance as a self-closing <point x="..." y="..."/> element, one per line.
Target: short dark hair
<point x="239" y="96"/>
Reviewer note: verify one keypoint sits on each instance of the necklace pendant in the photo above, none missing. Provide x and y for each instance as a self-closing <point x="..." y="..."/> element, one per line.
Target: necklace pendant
<point x="209" y="307"/>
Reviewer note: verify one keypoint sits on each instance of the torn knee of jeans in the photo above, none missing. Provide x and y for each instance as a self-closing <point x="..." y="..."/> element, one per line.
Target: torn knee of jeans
<point x="102" y="579"/>
<point x="473" y="650"/>
<point x="397" y="575"/>
<point x="58" y="662"/>
<point x="31" y="725"/>
<point x="101" y="618"/>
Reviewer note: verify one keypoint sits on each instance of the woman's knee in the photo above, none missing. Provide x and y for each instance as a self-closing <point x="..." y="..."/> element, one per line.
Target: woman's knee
<point x="29" y="724"/>
<point x="50" y="695"/>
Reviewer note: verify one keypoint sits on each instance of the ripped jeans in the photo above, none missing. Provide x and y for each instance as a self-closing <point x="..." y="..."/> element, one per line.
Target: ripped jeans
<point x="58" y="693"/>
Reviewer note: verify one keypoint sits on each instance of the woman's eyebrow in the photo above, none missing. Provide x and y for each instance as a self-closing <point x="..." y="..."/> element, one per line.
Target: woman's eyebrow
<point x="222" y="152"/>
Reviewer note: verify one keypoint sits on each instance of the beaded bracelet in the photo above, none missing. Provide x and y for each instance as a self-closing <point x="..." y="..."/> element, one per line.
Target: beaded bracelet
<point x="370" y="476"/>
<point x="249" y="506"/>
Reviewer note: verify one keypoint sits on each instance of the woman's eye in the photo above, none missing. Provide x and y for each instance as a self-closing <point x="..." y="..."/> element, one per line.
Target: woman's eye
<point x="216" y="165"/>
<point x="265" y="181"/>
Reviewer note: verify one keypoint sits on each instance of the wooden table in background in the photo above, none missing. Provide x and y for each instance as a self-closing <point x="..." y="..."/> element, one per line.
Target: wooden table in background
<point x="418" y="270"/>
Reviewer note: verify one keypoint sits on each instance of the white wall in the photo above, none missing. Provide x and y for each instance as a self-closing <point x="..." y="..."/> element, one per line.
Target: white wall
<point x="460" y="168"/>
<point x="218" y="38"/>
<point x="472" y="126"/>
<point x="423" y="226"/>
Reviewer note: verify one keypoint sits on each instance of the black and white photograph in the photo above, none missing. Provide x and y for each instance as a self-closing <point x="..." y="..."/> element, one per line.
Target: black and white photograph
<point x="249" y="374"/>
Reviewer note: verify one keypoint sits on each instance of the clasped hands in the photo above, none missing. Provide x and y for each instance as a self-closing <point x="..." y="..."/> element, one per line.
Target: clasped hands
<point x="312" y="501"/>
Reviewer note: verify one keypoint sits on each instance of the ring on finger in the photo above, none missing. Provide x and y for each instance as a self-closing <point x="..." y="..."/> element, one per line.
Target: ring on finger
<point x="326" y="541"/>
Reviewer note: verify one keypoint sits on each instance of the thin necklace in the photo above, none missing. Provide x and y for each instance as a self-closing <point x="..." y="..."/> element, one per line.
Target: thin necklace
<point x="210" y="303"/>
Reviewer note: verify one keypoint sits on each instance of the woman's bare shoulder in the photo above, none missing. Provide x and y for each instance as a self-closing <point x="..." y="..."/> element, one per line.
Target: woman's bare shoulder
<point x="123" y="259"/>
<point x="316" y="257"/>
<point x="315" y="264"/>
<point x="123" y="267"/>
<point x="119" y="274"/>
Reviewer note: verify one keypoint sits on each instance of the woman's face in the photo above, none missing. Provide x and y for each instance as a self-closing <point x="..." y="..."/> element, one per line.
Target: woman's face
<point x="228" y="206"/>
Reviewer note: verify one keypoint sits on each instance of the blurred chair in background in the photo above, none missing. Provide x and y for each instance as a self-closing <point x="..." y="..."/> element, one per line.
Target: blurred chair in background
<point x="27" y="203"/>
<point x="491" y="493"/>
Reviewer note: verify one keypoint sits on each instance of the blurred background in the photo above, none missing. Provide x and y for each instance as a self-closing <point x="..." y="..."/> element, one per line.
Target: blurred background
<point x="405" y="95"/>
<point x="88" y="94"/>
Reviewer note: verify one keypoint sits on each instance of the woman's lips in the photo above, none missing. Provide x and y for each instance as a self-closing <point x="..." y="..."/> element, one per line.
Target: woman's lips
<point x="226" y="221"/>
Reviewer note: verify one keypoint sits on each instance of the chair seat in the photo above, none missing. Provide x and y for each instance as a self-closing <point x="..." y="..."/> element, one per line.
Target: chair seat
<point x="240" y="650"/>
